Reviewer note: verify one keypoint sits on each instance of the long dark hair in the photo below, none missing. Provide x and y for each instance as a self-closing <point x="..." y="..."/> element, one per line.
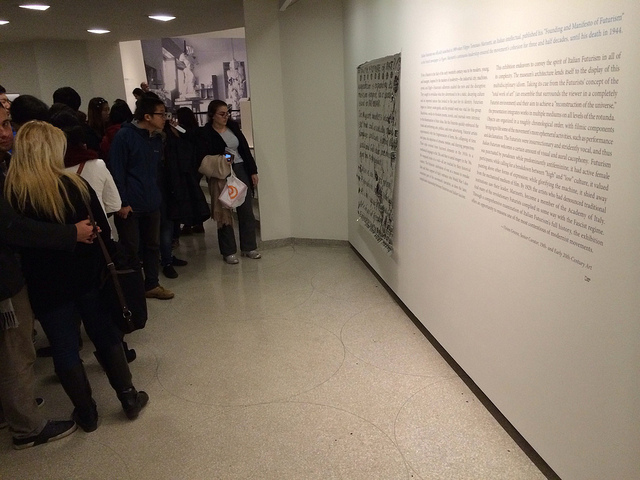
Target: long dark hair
<point x="186" y="118"/>
<point x="94" y="114"/>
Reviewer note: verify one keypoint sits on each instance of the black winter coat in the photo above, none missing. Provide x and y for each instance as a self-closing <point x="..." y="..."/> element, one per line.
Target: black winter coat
<point x="211" y="143"/>
<point x="183" y="195"/>
<point x="19" y="231"/>
<point x="55" y="278"/>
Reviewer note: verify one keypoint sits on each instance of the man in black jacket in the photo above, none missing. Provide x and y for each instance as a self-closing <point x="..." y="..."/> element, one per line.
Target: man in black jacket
<point x="17" y="353"/>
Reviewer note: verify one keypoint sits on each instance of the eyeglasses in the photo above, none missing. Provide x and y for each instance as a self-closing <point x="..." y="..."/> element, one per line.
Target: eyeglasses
<point x="164" y="114"/>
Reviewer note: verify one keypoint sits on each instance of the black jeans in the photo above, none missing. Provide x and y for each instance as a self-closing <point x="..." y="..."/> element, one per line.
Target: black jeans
<point x="140" y="232"/>
<point x="60" y="326"/>
<point x="166" y="236"/>
<point x="246" y="221"/>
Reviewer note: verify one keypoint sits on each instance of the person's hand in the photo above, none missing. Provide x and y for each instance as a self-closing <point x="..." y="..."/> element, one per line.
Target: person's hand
<point x="254" y="179"/>
<point x="175" y="127"/>
<point x="124" y="212"/>
<point x="84" y="232"/>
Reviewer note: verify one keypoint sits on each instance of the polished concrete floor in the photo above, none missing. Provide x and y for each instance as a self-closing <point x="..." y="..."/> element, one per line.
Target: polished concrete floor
<point x="296" y="366"/>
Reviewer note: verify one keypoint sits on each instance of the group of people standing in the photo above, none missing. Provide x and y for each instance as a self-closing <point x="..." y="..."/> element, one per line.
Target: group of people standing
<point x="52" y="181"/>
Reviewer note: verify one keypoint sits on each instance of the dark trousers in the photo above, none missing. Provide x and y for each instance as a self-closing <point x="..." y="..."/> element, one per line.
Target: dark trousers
<point x="60" y="326"/>
<point x="246" y="221"/>
<point x="166" y="236"/>
<point x="140" y="232"/>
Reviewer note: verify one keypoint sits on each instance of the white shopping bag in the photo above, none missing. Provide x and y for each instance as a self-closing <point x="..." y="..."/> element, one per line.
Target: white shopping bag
<point x="234" y="192"/>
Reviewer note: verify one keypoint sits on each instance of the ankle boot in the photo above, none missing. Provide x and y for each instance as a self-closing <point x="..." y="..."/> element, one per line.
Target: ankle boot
<point x="116" y="367"/>
<point x="133" y="402"/>
<point x="76" y="385"/>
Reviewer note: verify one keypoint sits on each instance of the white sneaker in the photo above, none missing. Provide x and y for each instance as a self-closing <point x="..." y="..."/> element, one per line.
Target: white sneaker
<point x="231" y="259"/>
<point x="252" y="254"/>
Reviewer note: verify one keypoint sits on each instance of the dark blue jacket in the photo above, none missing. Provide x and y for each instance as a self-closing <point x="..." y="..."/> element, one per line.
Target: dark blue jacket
<point x="134" y="161"/>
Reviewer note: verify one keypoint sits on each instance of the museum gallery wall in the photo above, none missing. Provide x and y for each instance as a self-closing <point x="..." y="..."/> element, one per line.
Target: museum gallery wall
<point x="192" y="71"/>
<point x="517" y="207"/>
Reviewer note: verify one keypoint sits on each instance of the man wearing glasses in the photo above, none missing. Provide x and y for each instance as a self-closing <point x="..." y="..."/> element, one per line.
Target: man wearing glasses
<point x="134" y="161"/>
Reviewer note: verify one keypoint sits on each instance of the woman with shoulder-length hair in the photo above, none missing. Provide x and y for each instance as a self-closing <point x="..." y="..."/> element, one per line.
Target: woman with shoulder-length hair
<point x="220" y="134"/>
<point x="63" y="284"/>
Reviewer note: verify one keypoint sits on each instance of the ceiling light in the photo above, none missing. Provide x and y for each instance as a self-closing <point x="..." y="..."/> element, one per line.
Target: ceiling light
<point x="4" y="22"/>
<point x="162" y="18"/>
<point x="99" y="31"/>
<point x="35" y="7"/>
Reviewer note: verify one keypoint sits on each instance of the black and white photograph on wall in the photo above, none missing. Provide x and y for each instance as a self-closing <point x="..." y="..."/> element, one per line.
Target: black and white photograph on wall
<point x="378" y="114"/>
<point x="192" y="71"/>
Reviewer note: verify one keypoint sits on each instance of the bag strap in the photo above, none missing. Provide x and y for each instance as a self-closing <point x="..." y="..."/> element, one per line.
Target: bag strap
<point x="126" y="313"/>
<point x="80" y="167"/>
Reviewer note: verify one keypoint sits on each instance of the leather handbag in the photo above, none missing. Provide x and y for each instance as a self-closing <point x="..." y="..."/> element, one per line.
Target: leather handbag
<point x="123" y="291"/>
<point x="124" y="295"/>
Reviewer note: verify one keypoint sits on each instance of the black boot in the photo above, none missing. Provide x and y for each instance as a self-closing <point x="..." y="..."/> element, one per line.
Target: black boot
<point x="76" y="385"/>
<point x="116" y="367"/>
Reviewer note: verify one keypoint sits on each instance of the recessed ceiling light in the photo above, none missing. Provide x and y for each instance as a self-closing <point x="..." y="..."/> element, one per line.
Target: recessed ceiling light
<point x="162" y="18"/>
<point x="99" y="31"/>
<point x="4" y="22"/>
<point x="35" y="7"/>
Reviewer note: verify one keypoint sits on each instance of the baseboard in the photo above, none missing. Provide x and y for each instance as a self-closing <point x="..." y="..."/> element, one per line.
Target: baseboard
<point x="291" y="241"/>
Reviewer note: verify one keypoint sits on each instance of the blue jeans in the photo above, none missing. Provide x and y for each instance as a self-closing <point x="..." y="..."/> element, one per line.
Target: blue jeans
<point x="60" y="327"/>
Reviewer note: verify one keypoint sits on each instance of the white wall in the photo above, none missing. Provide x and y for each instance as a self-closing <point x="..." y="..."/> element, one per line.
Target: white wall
<point x="39" y="68"/>
<point x="554" y="346"/>
<point x="313" y="69"/>
<point x="297" y="98"/>
<point x="18" y="72"/>
<point x="267" y="104"/>
<point x="132" y="68"/>
<point x="105" y="65"/>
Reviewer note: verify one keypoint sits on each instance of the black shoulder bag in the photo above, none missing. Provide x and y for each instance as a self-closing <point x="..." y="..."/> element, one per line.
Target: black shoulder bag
<point x="123" y="291"/>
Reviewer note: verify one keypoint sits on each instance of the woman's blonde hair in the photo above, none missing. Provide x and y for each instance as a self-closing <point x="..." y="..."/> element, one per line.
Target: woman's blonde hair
<point x="36" y="170"/>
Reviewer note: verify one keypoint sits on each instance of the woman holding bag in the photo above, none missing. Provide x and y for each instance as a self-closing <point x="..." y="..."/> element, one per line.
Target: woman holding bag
<point x="63" y="284"/>
<point x="220" y="134"/>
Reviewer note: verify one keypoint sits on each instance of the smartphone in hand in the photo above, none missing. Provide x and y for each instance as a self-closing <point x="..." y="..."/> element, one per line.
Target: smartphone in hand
<point x="229" y="155"/>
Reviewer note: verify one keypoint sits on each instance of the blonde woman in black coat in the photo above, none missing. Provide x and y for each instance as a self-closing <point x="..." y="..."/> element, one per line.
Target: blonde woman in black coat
<point x="64" y="284"/>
